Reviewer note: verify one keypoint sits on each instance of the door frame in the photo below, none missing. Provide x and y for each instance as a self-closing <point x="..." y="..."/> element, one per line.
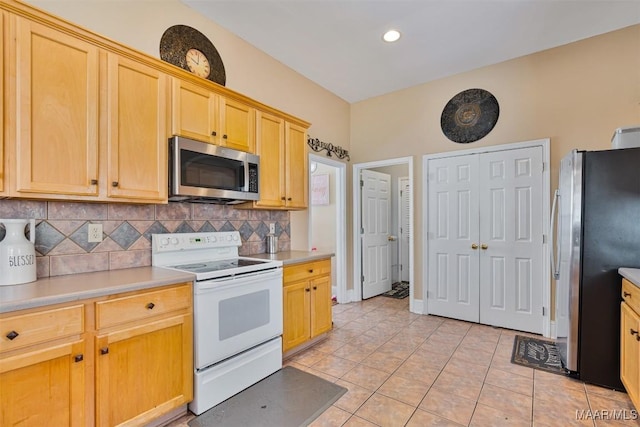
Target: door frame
<point x="340" y="258"/>
<point x="357" y="209"/>
<point x="546" y="199"/>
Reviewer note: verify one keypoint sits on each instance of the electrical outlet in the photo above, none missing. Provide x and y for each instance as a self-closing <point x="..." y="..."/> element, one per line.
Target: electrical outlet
<point x="272" y="228"/>
<point x="95" y="233"/>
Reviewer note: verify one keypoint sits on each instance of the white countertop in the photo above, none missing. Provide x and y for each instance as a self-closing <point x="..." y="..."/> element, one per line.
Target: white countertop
<point x="294" y="257"/>
<point x="74" y="287"/>
<point x="631" y="274"/>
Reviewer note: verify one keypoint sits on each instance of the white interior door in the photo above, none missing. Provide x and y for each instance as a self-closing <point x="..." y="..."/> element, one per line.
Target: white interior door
<point x="453" y="235"/>
<point x="511" y="239"/>
<point x="375" y="229"/>
<point x="485" y="238"/>
<point x="405" y="231"/>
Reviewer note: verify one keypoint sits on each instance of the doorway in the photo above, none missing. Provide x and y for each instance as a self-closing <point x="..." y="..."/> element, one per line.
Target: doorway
<point x="327" y="218"/>
<point x="398" y="168"/>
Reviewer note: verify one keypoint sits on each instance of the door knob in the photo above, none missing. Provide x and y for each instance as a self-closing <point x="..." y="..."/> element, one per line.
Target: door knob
<point x="474" y="246"/>
<point x="391" y="238"/>
<point x="484" y="246"/>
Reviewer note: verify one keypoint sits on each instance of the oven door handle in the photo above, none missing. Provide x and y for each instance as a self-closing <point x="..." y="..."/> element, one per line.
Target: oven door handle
<point x="207" y="285"/>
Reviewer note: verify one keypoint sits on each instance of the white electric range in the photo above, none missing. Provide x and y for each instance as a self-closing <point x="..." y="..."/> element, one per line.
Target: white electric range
<point x="237" y="312"/>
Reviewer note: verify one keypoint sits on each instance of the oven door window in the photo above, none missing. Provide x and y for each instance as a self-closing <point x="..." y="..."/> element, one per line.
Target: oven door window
<point x="243" y="313"/>
<point x="207" y="171"/>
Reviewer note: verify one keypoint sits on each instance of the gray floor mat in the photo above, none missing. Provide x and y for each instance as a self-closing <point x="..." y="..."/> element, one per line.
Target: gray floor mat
<point x="289" y="397"/>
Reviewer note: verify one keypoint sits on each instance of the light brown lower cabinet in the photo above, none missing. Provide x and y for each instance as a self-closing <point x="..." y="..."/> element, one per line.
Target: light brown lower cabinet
<point x="119" y="360"/>
<point x="630" y="341"/>
<point x="306" y="302"/>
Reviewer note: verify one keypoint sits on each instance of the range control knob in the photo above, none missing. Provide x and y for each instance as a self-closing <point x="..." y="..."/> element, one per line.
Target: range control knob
<point x="213" y="239"/>
<point x="174" y="240"/>
<point x="229" y="237"/>
<point x="164" y="241"/>
<point x="235" y="237"/>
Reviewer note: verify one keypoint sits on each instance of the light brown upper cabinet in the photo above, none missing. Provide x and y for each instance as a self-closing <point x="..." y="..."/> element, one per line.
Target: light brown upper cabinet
<point x="283" y="163"/>
<point x="2" y="97"/>
<point x="137" y="136"/>
<point x="56" y="102"/>
<point x="82" y="133"/>
<point x="204" y="115"/>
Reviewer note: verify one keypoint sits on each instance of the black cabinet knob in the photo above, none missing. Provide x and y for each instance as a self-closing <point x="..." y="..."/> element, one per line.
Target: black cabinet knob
<point x="150" y="306"/>
<point x="214" y="133"/>
<point x="78" y="358"/>
<point x="12" y="335"/>
<point x="104" y="350"/>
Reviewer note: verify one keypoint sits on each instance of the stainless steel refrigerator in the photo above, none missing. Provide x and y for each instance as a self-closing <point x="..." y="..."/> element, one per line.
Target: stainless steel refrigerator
<point x="597" y="230"/>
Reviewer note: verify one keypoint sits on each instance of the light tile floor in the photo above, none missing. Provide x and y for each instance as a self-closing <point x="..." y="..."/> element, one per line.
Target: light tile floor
<point x="405" y="369"/>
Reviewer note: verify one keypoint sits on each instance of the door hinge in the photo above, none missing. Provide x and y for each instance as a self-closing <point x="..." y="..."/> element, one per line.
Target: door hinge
<point x="361" y="230"/>
<point x="544" y="238"/>
<point x="362" y="280"/>
<point x="544" y="312"/>
<point x="543" y="166"/>
<point x="361" y="183"/>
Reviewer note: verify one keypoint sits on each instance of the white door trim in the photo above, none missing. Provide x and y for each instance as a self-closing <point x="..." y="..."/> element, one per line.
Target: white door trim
<point x="340" y="258"/>
<point x="357" y="250"/>
<point x="401" y="254"/>
<point x="546" y="197"/>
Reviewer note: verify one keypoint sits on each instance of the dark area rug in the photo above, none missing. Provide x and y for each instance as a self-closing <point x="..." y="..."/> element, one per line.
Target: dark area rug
<point x="398" y="290"/>
<point x="537" y="353"/>
<point x="287" y="398"/>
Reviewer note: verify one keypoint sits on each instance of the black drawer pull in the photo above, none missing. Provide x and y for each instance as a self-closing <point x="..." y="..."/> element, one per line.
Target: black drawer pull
<point x="78" y="358"/>
<point x="12" y="335"/>
<point x="307" y="290"/>
<point x="632" y="332"/>
<point x="150" y="306"/>
<point x="315" y="288"/>
<point x="104" y="350"/>
<point x="224" y="136"/>
<point x="214" y="133"/>
<point x="626" y="294"/>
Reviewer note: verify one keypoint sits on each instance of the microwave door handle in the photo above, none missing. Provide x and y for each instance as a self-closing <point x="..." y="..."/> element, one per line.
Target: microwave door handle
<point x="555" y="225"/>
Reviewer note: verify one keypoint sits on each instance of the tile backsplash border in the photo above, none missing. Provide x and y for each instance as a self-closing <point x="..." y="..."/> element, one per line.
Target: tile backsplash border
<point x="62" y="230"/>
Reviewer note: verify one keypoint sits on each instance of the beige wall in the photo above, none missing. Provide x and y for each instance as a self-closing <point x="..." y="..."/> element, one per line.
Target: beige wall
<point x="576" y="95"/>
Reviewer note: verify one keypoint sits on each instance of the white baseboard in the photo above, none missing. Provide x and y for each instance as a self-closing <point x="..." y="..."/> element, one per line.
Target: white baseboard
<point x="416" y="306"/>
<point x="553" y="332"/>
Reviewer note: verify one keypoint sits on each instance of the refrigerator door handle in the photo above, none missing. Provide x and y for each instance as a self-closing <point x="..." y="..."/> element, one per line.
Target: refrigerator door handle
<point x="555" y="225"/>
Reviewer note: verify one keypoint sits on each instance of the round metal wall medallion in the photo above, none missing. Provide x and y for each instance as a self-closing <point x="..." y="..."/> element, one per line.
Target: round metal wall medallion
<point x="191" y="50"/>
<point x="469" y="116"/>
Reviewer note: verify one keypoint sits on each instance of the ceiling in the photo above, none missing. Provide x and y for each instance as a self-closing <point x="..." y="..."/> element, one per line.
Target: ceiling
<point x="338" y="44"/>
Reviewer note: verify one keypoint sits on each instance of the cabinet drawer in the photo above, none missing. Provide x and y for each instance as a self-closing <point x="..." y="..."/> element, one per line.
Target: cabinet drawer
<point x="142" y="305"/>
<point x="42" y="326"/>
<point x="307" y="270"/>
<point x="631" y="295"/>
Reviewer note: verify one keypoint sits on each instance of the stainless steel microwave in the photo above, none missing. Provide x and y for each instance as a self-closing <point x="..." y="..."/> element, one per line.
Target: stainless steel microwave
<point x="204" y="173"/>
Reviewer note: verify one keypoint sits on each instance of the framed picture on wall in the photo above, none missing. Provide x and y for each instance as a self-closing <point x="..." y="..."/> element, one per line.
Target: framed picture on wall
<point x="320" y="190"/>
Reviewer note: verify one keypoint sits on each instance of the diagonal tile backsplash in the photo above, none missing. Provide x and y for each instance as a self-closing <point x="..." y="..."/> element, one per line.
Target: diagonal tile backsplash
<point x="62" y="230"/>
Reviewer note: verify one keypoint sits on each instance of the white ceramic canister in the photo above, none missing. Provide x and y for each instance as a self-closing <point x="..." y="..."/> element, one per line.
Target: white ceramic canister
<point x="17" y="254"/>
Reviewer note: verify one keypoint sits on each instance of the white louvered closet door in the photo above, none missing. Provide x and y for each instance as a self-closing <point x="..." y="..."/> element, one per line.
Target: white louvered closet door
<point x="405" y="228"/>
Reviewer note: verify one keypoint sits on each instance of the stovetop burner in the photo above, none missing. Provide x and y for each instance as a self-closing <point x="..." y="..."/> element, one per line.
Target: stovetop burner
<point x="219" y="265"/>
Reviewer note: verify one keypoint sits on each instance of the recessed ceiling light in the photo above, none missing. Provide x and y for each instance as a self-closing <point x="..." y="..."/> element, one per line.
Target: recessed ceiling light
<point x="391" y="36"/>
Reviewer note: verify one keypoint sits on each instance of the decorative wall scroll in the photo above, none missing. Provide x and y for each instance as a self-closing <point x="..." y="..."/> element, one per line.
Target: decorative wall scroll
<point x="317" y="145"/>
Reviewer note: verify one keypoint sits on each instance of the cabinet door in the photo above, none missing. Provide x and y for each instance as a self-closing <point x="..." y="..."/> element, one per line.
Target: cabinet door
<point x="44" y="387"/>
<point x="137" y="140"/>
<point x="296" y="166"/>
<point x="143" y="371"/>
<point x="56" y="112"/>
<point x="629" y="352"/>
<point x="238" y="125"/>
<point x="270" y="148"/>
<point x="320" y="305"/>
<point x="194" y="112"/>
<point x="296" y="314"/>
<point x="5" y="49"/>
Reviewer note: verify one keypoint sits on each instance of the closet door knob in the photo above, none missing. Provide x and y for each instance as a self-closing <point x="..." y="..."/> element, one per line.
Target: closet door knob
<point x="484" y="247"/>
<point x="474" y="246"/>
